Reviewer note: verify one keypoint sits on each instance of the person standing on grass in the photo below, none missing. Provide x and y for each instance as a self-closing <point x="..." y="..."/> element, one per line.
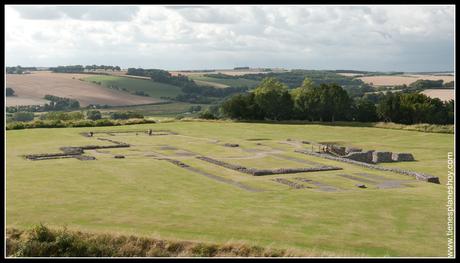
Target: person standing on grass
<point x="150" y="132"/>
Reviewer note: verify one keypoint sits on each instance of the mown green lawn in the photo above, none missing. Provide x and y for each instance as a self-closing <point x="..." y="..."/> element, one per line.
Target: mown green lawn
<point x="152" y="88"/>
<point x="144" y="196"/>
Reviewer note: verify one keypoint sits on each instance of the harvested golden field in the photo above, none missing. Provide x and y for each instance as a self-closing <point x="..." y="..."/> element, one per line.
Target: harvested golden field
<point x="349" y="74"/>
<point x="442" y="94"/>
<point x="229" y="72"/>
<point x="401" y="79"/>
<point x="30" y="88"/>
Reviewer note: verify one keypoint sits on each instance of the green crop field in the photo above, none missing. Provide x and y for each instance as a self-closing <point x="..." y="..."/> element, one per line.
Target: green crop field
<point x="152" y="88"/>
<point x="146" y="195"/>
<point x="221" y="83"/>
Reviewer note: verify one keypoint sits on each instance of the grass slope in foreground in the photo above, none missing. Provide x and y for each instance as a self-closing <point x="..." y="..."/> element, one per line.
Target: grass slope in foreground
<point x="147" y="197"/>
<point x="152" y="88"/>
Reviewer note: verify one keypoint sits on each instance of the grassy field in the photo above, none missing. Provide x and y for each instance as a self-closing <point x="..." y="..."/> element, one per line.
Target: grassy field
<point x="153" y="89"/>
<point x="145" y="196"/>
<point x="223" y="83"/>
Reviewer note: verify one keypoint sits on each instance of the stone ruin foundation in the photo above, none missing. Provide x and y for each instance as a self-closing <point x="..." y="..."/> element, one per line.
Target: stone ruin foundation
<point x="402" y="157"/>
<point x="416" y="175"/>
<point x="258" y="172"/>
<point x="76" y="152"/>
<point x="381" y="157"/>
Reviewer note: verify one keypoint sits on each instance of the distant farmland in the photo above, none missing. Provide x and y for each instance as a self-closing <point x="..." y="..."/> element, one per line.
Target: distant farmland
<point x="401" y="79"/>
<point x="31" y="88"/>
<point x="223" y="83"/>
<point x="129" y="84"/>
<point x="442" y="94"/>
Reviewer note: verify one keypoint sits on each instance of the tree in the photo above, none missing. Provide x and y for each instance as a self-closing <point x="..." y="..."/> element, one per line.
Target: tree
<point x="340" y="102"/>
<point x="93" y="115"/>
<point x="9" y="92"/>
<point x="23" y="116"/>
<point x="364" y="111"/>
<point x="274" y="99"/>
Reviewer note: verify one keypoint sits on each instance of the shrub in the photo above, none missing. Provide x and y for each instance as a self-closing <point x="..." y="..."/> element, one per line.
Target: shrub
<point x="82" y="123"/>
<point x="23" y="116"/>
<point x="93" y="115"/>
<point x="9" y="92"/>
<point x="104" y="122"/>
<point x="207" y="116"/>
<point x="124" y="115"/>
<point x="63" y="116"/>
<point x="204" y="250"/>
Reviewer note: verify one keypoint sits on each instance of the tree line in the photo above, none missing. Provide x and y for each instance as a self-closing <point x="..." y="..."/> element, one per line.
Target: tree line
<point x="81" y="68"/>
<point x="273" y="100"/>
<point x="56" y="104"/>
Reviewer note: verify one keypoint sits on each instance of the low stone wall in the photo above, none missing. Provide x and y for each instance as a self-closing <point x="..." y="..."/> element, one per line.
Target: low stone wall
<point x="176" y="162"/>
<point x="290" y="183"/>
<point x="416" y="175"/>
<point x="352" y="150"/>
<point x="76" y="152"/>
<point x="365" y="157"/>
<point x="381" y="157"/>
<point x="402" y="157"/>
<point x="258" y="172"/>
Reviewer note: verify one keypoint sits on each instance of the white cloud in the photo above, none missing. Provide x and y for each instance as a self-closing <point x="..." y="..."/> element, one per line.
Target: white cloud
<point x="352" y="37"/>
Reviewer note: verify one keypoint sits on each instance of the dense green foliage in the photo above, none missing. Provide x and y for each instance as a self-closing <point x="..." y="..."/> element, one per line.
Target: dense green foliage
<point x="73" y="123"/>
<point x="427" y="84"/>
<point x="271" y="100"/>
<point x="68" y="69"/>
<point x="60" y="103"/>
<point x="28" y="108"/>
<point x="9" y="92"/>
<point x="449" y="84"/>
<point x="56" y="104"/>
<point x="103" y="67"/>
<point x="410" y="108"/>
<point x="62" y="116"/>
<point x="293" y="79"/>
<point x="18" y="70"/>
<point x="23" y="116"/>
<point x="93" y="115"/>
<point x="364" y="110"/>
<point x="124" y="115"/>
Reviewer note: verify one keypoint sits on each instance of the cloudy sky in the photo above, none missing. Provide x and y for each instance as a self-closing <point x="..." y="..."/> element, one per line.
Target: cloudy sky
<point x="386" y="38"/>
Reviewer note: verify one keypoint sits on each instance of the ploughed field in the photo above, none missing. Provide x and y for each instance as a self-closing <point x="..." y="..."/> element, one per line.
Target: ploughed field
<point x="31" y="88"/>
<point x="442" y="94"/>
<point x="185" y="181"/>
<point x="395" y="80"/>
